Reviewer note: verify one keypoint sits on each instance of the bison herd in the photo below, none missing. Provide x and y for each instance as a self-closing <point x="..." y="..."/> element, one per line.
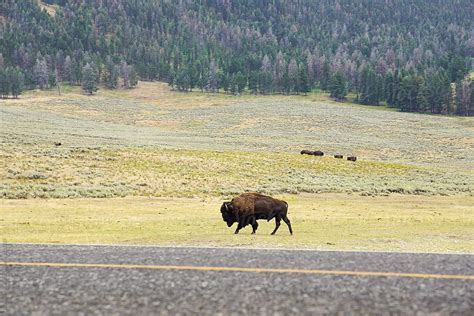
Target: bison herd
<point x="246" y="208"/>
<point x="320" y="153"/>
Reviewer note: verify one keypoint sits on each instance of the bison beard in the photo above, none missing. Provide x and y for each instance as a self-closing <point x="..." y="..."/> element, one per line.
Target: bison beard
<point x="247" y="208"/>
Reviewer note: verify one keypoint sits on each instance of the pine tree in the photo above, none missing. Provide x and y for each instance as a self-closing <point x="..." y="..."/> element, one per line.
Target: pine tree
<point x="110" y="75"/>
<point x="411" y="97"/>
<point x="304" y="85"/>
<point x="439" y="92"/>
<point x="338" y="86"/>
<point x="293" y="76"/>
<point x="265" y="76"/>
<point x="182" y="81"/>
<point x="212" y="81"/>
<point x="5" y="85"/>
<point x="125" y="73"/>
<point x="134" y="77"/>
<point x="16" y="81"/>
<point x="389" y="88"/>
<point x="68" y="70"/>
<point x="41" y="72"/>
<point x="89" y="80"/>
<point x="456" y="68"/>
<point x="241" y="82"/>
<point x="281" y="70"/>
<point x="224" y="80"/>
<point x="463" y="97"/>
<point x="253" y="81"/>
<point x="404" y="97"/>
<point x="52" y="79"/>
<point x="325" y="76"/>
<point x="369" y="88"/>
<point x="232" y="85"/>
<point x="422" y="97"/>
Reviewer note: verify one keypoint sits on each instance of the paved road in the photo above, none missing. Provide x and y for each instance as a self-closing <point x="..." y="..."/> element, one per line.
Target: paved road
<point x="157" y="280"/>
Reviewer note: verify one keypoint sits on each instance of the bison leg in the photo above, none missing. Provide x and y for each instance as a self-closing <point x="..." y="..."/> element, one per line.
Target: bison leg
<point x="241" y="224"/>
<point x="277" y="222"/>
<point x="238" y="228"/>
<point x="254" y="225"/>
<point x="287" y="222"/>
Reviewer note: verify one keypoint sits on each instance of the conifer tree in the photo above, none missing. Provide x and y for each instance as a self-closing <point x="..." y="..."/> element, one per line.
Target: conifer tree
<point x="325" y="76"/>
<point x="110" y="75"/>
<point x="125" y="72"/>
<point x="293" y="76"/>
<point x="134" y="77"/>
<point x="212" y="80"/>
<point x="338" y="86"/>
<point x="241" y="82"/>
<point x="5" y="85"/>
<point x="304" y="85"/>
<point x="265" y="76"/>
<point x="16" y="79"/>
<point x="89" y="80"/>
<point x="41" y="72"/>
<point x="253" y="81"/>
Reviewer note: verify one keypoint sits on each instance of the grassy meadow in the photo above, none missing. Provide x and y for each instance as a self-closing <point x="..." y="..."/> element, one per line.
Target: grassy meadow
<point x="323" y="221"/>
<point x="151" y="166"/>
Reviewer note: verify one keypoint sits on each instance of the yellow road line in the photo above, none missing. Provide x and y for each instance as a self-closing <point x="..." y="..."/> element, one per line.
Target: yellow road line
<point x="238" y="269"/>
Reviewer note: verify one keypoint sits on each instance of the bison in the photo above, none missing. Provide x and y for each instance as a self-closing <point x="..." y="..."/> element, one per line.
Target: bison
<point x="306" y="152"/>
<point x="318" y="153"/>
<point x="338" y="156"/>
<point x="352" y="158"/>
<point x="247" y="208"/>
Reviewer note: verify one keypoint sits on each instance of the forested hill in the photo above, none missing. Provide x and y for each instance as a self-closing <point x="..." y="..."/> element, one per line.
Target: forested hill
<point x="411" y="54"/>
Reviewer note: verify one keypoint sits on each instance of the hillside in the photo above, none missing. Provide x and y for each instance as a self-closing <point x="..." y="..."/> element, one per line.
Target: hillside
<point x="153" y="141"/>
<point x="402" y="53"/>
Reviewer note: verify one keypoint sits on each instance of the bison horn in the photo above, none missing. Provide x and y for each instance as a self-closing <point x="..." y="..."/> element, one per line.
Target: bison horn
<point x="226" y="207"/>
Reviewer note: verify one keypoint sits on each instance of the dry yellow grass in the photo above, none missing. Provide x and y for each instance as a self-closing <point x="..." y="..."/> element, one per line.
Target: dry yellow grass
<point x="189" y="149"/>
<point x="325" y="221"/>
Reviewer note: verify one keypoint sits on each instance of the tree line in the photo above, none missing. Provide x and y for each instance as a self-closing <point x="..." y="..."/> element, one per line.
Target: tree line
<point x="412" y="55"/>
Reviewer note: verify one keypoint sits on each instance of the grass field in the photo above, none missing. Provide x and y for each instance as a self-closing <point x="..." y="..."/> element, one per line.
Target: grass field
<point x="186" y="152"/>
<point x="323" y="221"/>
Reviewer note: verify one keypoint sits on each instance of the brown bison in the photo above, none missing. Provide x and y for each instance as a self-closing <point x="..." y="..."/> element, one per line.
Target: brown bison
<point x="338" y="156"/>
<point x="352" y="158"/>
<point x="247" y="208"/>
<point x="312" y="153"/>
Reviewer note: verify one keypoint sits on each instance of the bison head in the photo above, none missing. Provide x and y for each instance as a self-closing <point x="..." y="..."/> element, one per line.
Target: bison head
<point x="227" y="213"/>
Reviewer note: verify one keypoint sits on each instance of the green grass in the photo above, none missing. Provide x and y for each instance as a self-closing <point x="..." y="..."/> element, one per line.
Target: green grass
<point x="172" y="158"/>
<point x="44" y="172"/>
<point x="325" y="221"/>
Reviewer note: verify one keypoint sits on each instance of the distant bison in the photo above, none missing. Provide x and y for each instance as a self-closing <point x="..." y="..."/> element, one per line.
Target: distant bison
<point x="247" y="208"/>
<point x="312" y="153"/>
<point x="306" y="152"/>
<point x="352" y="158"/>
<point x="338" y="156"/>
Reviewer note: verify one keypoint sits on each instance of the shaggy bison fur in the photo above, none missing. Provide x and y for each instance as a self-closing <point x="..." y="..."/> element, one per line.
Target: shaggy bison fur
<point x="247" y="208"/>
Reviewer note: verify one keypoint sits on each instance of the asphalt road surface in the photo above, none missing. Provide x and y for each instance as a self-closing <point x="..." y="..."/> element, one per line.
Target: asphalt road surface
<point x="66" y="279"/>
